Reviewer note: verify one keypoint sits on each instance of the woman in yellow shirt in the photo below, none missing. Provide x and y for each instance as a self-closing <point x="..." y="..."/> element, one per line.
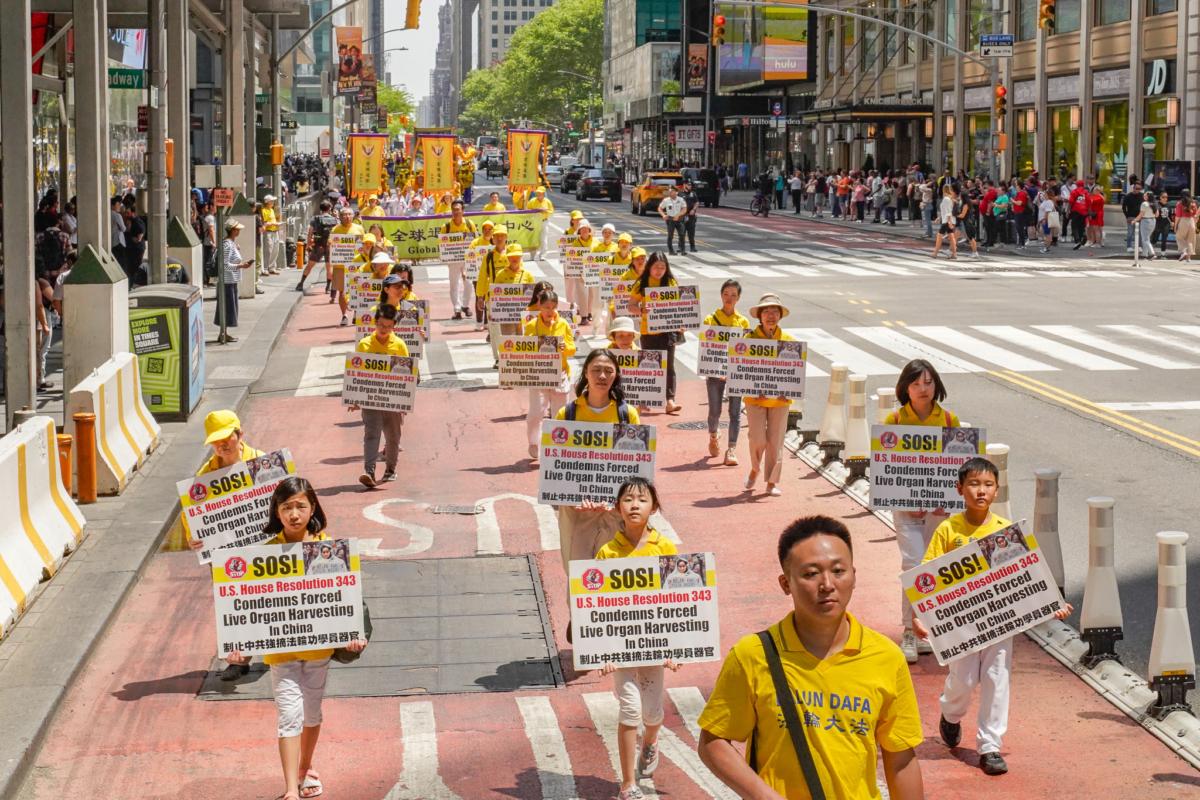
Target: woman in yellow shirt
<point x="578" y="293"/>
<point x="766" y="417"/>
<point x="639" y="690"/>
<point x="920" y="391"/>
<point x="545" y="403"/>
<point x="381" y="240"/>
<point x="726" y="316"/>
<point x="298" y="679"/>
<point x="621" y="305"/>
<point x="622" y="335"/>
<point x="657" y="273"/>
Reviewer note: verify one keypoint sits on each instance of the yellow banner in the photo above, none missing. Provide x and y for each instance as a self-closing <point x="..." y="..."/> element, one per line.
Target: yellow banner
<point x="437" y="153"/>
<point x="366" y="163"/>
<point x="525" y="159"/>
<point x="417" y="237"/>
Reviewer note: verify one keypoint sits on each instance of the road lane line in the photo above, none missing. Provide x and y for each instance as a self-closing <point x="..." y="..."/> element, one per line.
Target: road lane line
<point x="1169" y="405"/>
<point x="859" y="272"/>
<point x="838" y="351"/>
<point x="1052" y="348"/>
<point x="1080" y="336"/>
<point x="1158" y="337"/>
<point x="689" y="702"/>
<point x="981" y="349"/>
<point x="549" y="748"/>
<point x="323" y="370"/>
<point x="419" y="778"/>
<point x="909" y="348"/>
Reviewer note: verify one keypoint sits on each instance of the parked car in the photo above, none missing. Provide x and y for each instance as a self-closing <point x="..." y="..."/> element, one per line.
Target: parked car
<point x="705" y="185"/>
<point x="599" y="183"/>
<point x="554" y="175"/>
<point x="570" y="178"/>
<point x="494" y="167"/>
<point x="646" y="196"/>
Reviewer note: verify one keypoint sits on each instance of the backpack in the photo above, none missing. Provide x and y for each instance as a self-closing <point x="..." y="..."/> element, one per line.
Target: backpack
<point x="622" y="412"/>
<point x="322" y="225"/>
<point x="48" y="254"/>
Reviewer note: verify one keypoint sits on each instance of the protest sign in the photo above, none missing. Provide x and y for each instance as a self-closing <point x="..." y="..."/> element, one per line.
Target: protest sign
<point x="610" y="276"/>
<point x="509" y="302"/>
<point x="766" y="368"/>
<point x="228" y="507"/>
<point x="379" y="382"/>
<point x="343" y="247"/>
<point x="410" y="329"/>
<point x="452" y="247"/>
<point x="635" y="612"/>
<point x="623" y="303"/>
<point x="363" y="290"/>
<point x="474" y="257"/>
<point x="531" y="361"/>
<point x="422" y="307"/>
<point x="572" y="260"/>
<point x="593" y="263"/>
<point x="285" y="598"/>
<point x="590" y="460"/>
<point x="990" y="589"/>
<point x="915" y="467"/>
<point x="672" y="308"/>
<point x="644" y="377"/>
<point x="714" y="350"/>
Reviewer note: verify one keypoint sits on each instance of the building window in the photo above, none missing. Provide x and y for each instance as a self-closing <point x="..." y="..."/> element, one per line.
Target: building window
<point x="1154" y="7"/>
<point x="979" y="21"/>
<point x="1024" y="142"/>
<point x="1066" y="16"/>
<point x="495" y="15"/>
<point x="926" y="27"/>
<point x="830" y="49"/>
<point x="1027" y="20"/>
<point x="870" y="45"/>
<point x="891" y="39"/>
<point x="1111" y="121"/>
<point x="979" y="139"/>
<point x="847" y="45"/>
<point x="1064" y="142"/>
<point x="952" y="23"/>
<point x="1112" y="11"/>
<point x="495" y="29"/>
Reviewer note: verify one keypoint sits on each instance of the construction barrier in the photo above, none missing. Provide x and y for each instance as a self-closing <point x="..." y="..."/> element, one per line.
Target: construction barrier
<point x="125" y="430"/>
<point x="46" y="524"/>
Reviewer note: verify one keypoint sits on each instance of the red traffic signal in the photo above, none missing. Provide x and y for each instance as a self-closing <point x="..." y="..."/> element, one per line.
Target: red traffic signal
<point x="718" y="30"/>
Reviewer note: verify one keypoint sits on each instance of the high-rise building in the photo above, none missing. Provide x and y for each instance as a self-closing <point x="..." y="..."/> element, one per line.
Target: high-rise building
<point x="498" y="21"/>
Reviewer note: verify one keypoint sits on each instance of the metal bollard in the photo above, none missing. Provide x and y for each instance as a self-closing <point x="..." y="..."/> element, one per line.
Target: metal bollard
<point x="857" y="453"/>
<point x="832" y="435"/>
<point x="998" y="455"/>
<point x="1100" y="622"/>
<point x="885" y="403"/>
<point x="23" y="415"/>
<point x="85" y="456"/>
<point x="300" y="255"/>
<point x="1172" y="661"/>
<point x="1045" y="524"/>
<point x="64" y="441"/>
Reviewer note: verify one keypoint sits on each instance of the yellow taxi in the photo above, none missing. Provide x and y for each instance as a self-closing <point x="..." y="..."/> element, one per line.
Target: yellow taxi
<point x="646" y="196"/>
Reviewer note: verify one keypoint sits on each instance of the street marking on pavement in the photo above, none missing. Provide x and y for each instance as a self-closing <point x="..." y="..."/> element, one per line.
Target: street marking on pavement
<point x="487" y="531"/>
<point x="1158" y="337"/>
<point x="1048" y="347"/>
<point x="845" y="270"/>
<point x="909" y="348"/>
<point x="549" y="748"/>
<point x="689" y="702"/>
<point x="981" y="349"/>
<point x="760" y="272"/>
<point x="837" y="351"/>
<point x="323" y="370"/>
<point x="1080" y="336"/>
<point x="803" y="272"/>
<point x="1169" y="405"/>
<point x="420" y="537"/>
<point x="603" y="709"/>
<point x="1190" y="330"/>
<point x="420" y="778"/>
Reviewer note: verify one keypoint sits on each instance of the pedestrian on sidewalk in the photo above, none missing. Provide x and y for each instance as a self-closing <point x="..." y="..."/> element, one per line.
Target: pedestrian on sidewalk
<point x="1185" y="226"/>
<point x="1095" y="222"/>
<point x="316" y="248"/>
<point x="298" y="679"/>
<point x="1162" y="222"/>
<point x="948" y="219"/>
<point x="270" y="222"/>
<point x="990" y="668"/>
<point x="928" y="206"/>
<point x="821" y="198"/>
<point x="812" y="654"/>
<point x="656" y="274"/>
<point x="860" y="201"/>
<point x="672" y="209"/>
<point x="1131" y="206"/>
<point x="1145" y="222"/>
<point x="545" y="403"/>
<point x="385" y="342"/>
<point x="766" y="417"/>
<point x="233" y="263"/>
<point x="726" y="316"/>
<point x="780" y="185"/>
<point x="796" y="187"/>
<point x="1049" y="221"/>
<point x="692" y="201"/>
<point x="639" y="690"/>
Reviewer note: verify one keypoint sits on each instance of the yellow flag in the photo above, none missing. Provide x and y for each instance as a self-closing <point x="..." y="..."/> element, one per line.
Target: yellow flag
<point x="524" y="159"/>
<point x="366" y="162"/>
<point x="437" y="153"/>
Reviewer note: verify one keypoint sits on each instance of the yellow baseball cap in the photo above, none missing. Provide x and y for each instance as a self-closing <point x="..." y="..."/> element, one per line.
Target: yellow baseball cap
<point x="220" y="425"/>
<point x="368" y="238"/>
<point x="637" y="252"/>
<point x="501" y="228"/>
<point x="540" y="190"/>
<point x="577" y="214"/>
<point x="625" y="237"/>
<point x="514" y="249"/>
<point x="487" y="223"/>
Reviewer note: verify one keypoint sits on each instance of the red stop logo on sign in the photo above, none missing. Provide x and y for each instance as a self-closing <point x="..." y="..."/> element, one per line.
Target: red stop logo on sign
<point x="888" y="440"/>
<point x="925" y="583"/>
<point x="592" y="579"/>
<point x="235" y="567"/>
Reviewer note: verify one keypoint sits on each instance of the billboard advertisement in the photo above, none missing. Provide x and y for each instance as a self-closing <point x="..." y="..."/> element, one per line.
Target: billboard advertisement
<point x="764" y="45"/>
<point x="785" y="42"/>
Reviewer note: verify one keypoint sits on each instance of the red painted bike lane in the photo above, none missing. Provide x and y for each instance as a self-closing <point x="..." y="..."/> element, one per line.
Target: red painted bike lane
<point x="133" y="726"/>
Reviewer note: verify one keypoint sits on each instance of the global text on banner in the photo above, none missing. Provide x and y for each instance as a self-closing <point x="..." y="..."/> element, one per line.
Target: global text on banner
<point x="634" y="612"/>
<point x="590" y="460"/>
<point x="531" y="361"/>
<point x="437" y="154"/>
<point x="987" y="590"/>
<point x="349" y="54"/>
<point x="416" y="238"/>
<point x="509" y="301"/>
<point x="284" y="598"/>
<point x="766" y="368"/>
<point x="366" y="163"/>
<point x="382" y="383"/>
<point x="525" y="149"/>
<point x="672" y="308"/>
<point x="644" y="377"/>
<point x="714" y="350"/>
<point x="452" y="247"/>
<point x="229" y="507"/>
<point x="915" y="467"/>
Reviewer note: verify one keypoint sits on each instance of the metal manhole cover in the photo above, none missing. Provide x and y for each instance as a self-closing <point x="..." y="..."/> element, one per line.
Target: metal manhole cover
<point x="695" y="425"/>
<point x="450" y="383"/>
<point x="449" y="509"/>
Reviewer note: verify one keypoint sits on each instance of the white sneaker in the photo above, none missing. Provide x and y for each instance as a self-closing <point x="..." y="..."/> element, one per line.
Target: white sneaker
<point x="908" y="646"/>
<point x="1128" y="249"/>
<point x="924" y="647"/>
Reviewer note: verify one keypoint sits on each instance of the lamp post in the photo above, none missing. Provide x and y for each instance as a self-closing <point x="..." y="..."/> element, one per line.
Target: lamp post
<point x="591" y="124"/>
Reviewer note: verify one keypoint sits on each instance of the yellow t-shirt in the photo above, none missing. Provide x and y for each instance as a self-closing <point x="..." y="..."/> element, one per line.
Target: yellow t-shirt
<point x="353" y="227"/>
<point x="851" y="703"/>
<point x="441" y="208"/>
<point x="492" y="264"/>
<point x="212" y="465"/>
<point x="938" y="418"/>
<point x="584" y="413"/>
<point x="466" y="226"/>
<point x="619" y="260"/>
<point x="589" y="243"/>
<point x="601" y="247"/>
<point x="635" y="297"/>
<point x="395" y="346"/>
<point x="768" y="402"/>
<point x="302" y="655"/>
<point x="653" y="544"/>
<point x="955" y="531"/>
<point x="372" y="211"/>
<point x="497" y="206"/>
<point x="718" y="317"/>
<point x="544" y="205"/>
<point x="518" y="275"/>
<point x="270" y="221"/>
<point x="535" y="327"/>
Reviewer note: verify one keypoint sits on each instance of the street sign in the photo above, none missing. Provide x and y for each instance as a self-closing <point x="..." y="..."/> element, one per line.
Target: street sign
<point x="289" y="125"/>
<point x="689" y="137"/>
<point x="119" y="78"/>
<point x="996" y="45"/>
<point x="712" y="137"/>
<point x="261" y="98"/>
<point x="324" y="152"/>
<point x="222" y="198"/>
<point x="143" y="119"/>
<point x="776" y="108"/>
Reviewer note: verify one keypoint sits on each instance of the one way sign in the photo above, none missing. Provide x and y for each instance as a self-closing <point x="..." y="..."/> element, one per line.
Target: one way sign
<point x="996" y="45"/>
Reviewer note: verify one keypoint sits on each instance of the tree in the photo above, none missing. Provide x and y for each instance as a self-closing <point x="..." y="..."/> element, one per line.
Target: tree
<point x="393" y="100"/>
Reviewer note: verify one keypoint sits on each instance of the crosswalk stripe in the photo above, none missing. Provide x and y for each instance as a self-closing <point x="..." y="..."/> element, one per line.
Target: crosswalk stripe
<point x="603" y="709"/>
<point x="549" y="748"/>
<point x="419" y="778"/>
<point x="710" y="258"/>
<point x="846" y="270"/>
<point x="1190" y="330"/>
<point x="1157" y="337"/>
<point x="760" y="272"/>
<point x="910" y="348"/>
<point x="680" y="273"/>
<point x="323" y="370"/>
<point x="1049" y="347"/>
<point x="837" y="351"/>
<point x="1061" y="273"/>
<point x="750" y="255"/>
<point x="1080" y="336"/>
<point x="689" y="702"/>
<point x="803" y="272"/>
<point x="892" y="269"/>
<point x="468" y="359"/>
<point x="981" y="349"/>
<point x="714" y="273"/>
<point x="1104" y="274"/>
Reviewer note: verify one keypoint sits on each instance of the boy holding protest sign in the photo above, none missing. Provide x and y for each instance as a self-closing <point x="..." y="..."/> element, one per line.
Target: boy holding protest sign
<point x="991" y="667"/>
<point x="383" y="341"/>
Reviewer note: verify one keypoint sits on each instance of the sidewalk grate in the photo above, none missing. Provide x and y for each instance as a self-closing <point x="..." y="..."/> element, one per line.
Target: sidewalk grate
<point x="470" y="510"/>
<point x="450" y="383"/>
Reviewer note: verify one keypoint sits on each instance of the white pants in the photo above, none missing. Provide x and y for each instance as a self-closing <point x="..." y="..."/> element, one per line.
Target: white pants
<point x="766" y="427"/>
<point x="589" y="300"/>
<point x="913" y="532"/>
<point x="458" y="285"/>
<point x="270" y="249"/>
<point x="576" y="293"/>
<point x="640" y="695"/>
<point x="544" y="403"/>
<point x="990" y="669"/>
<point x="498" y="329"/>
<point x="299" y="687"/>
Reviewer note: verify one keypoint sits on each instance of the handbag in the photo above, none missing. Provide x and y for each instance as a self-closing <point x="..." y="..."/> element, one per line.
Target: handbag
<point x="787" y="704"/>
<point x="344" y="656"/>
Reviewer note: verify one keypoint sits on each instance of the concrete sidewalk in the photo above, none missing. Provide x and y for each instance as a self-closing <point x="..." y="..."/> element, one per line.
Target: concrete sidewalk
<point x="45" y="650"/>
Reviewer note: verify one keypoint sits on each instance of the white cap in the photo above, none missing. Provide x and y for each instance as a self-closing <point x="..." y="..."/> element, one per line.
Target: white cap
<point x="383" y="258"/>
<point x="608" y="226"/>
<point x="270" y="198"/>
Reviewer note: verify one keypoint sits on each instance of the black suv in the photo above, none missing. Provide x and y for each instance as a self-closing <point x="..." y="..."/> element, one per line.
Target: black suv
<point x="599" y="183"/>
<point x="705" y="184"/>
<point x="570" y="178"/>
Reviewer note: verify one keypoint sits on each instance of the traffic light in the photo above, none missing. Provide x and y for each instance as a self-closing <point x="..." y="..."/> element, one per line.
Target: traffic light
<point x="1001" y="101"/>
<point x="718" y="30"/>
<point x="412" y="14"/>
<point x="1046" y="15"/>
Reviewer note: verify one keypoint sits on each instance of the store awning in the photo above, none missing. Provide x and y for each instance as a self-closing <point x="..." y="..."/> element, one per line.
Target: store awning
<point x="868" y="112"/>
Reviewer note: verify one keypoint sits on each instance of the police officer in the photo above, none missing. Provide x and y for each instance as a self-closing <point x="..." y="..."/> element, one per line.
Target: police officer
<point x="689" y="220"/>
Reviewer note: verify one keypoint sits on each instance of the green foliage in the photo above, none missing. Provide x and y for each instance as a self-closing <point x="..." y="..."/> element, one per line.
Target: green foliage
<point x="394" y="100"/>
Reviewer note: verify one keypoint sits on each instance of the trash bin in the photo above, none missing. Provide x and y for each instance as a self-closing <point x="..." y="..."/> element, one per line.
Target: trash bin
<point x="166" y="333"/>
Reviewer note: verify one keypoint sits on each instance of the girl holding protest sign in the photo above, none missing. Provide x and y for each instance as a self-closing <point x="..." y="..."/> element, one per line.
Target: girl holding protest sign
<point x="919" y="391"/>
<point x="657" y="273"/>
<point x="547" y="402"/>
<point x="298" y="679"/>
<point x="621" y="305"/>
<point x="726" y="316"/>
<point x="639" y="689"/>
<point x="766" y="417"/>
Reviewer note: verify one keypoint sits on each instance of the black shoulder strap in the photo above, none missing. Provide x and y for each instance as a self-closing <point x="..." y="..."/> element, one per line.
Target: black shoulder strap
<point x="570" y="415"/>
<point x="623" y="413"/>
<point x="783" y="696"/>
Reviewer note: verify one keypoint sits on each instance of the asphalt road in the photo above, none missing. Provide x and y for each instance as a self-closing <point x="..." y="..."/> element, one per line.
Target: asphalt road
<point x="1034" y="349"/>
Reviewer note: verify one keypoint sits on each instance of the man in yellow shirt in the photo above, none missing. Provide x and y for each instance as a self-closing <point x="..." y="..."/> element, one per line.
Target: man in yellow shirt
<point x="853" y="693"/>
<point x="494" y="203"/>
<point x="513" y="272"/>
<point x="458" y="223"/>
<point x="382" y="342"/>
<point x="493" y="262"/>
<point x="337" y="288"/>
<point x="372" y="207"/>
<point x="270" y="220"/>
<point x="539" y="202"/>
